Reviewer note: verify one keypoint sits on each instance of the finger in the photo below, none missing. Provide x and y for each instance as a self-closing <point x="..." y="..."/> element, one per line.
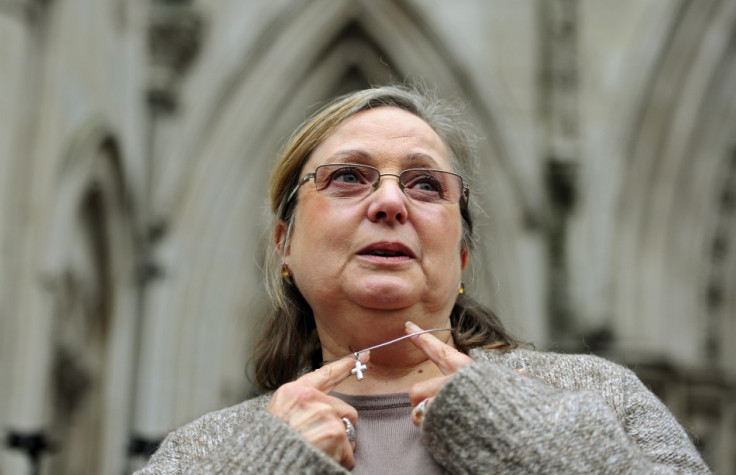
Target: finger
<point x="331" y="406"/>
<point x="329" y="435"/>
<point x="348" y="458"/>
<point x="296" y="399"/>
<point x="323" y="413"/>
<point x="326" y="378"/>
<point x="447" y="358"/>
<point x="420" y="410"/>
<point x="425" y="389"/>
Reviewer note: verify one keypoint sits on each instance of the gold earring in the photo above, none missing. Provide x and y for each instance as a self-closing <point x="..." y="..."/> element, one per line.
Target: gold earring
<point x="461" y="289"/>
<point x="285" y="271"/>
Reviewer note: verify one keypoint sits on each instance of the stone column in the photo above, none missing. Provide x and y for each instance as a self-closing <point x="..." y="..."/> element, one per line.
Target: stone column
<point x="174" y="38"/>
<point x="559" y="91"/>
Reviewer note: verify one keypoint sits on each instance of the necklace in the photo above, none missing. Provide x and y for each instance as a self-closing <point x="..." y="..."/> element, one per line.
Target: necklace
<point x="360" y="368"/>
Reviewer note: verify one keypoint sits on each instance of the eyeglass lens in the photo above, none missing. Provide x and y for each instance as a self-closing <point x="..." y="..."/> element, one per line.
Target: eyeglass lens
<point x="421" y="184"/>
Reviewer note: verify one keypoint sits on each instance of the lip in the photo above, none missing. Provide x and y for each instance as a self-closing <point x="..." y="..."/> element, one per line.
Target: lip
<point x="397" y="250"/>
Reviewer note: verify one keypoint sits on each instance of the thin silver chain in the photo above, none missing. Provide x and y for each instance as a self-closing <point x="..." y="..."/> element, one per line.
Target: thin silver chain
<point x="356" y="354"/>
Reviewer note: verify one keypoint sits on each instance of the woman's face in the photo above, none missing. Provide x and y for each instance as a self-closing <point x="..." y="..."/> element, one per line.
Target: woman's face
<point x="383" y="251"/>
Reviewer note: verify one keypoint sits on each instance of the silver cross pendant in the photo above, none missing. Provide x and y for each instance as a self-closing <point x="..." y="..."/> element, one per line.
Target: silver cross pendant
<point x="359" y="368"/>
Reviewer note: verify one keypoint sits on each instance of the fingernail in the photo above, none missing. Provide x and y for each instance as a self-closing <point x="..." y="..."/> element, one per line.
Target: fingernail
<point x="411" y="326"/>
<point x="421" y="410"/>
<point x="364" y="356"/>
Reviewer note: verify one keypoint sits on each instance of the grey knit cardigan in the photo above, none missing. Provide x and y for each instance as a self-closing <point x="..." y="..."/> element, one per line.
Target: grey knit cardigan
<point x="560" y="414"/>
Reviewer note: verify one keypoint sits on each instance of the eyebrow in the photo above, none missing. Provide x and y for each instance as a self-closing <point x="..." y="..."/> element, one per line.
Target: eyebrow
<point x="422" y="159"/>
<point x="351" y="156"/>
<point x="413" y="160"/>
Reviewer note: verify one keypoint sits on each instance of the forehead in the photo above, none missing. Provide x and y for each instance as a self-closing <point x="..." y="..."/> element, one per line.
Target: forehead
<point x="383" y="136"/>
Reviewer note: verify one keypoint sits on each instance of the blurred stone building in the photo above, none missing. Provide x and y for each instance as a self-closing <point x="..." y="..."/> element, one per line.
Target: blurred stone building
<point x="136" y="139"/>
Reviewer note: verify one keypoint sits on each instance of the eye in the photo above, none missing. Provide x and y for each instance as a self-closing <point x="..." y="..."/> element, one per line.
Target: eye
<point x="345" y="181"/>
<point x="349" y="176"/>
<point x="424" y="182"/>
<point x="428" y="184"/>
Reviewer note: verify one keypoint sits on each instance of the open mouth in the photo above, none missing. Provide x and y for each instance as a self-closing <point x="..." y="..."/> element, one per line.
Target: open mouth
<point x="379" y="252"/>
<point x="387" y="249"/>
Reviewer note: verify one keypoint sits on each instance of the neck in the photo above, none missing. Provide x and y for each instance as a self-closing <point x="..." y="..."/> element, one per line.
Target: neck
<point x="389" y="379"/>
<point x="345" y="328"/>
<point x="388" y="343"/>
<point x="394" y="366"/>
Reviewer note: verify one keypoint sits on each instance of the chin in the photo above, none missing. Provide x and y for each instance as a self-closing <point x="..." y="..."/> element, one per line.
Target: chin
<point x="387" y="294"/>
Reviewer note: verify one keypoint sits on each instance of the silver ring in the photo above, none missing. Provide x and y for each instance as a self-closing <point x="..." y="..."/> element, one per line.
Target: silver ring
<point x="421" y="409"/>
<point x="349" y="429"/>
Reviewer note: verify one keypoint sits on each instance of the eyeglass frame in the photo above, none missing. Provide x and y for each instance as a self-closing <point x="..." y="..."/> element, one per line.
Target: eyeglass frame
<point x="464" y="193"/>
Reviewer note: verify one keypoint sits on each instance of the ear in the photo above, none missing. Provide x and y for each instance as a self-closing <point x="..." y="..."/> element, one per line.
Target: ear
<point x="279" y="238"/>
<point x="464" y="258"/>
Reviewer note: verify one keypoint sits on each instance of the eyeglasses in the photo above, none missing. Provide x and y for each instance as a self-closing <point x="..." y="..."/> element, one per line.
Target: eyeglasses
<point x="351" y="180"/>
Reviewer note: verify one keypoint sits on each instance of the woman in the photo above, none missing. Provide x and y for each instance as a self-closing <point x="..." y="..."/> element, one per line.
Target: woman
<point x="372" y="233"/>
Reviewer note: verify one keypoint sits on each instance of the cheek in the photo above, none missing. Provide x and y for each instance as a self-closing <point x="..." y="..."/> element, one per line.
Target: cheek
<point x="441" y="238"/>
<point x="320" y="233"/>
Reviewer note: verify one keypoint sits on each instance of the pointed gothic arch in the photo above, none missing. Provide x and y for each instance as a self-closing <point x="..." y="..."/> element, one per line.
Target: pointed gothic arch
<point x="89" y="273"/>
<point x="681" y="150"/>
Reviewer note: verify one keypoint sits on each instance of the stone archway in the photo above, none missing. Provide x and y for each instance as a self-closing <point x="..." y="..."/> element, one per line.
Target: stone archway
<point x="89" y="272"/>
<point x="679" y="159"/>
<point x="674" y="315"/>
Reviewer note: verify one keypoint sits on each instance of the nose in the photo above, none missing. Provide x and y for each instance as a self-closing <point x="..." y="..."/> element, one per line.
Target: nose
<point x="388" y="202"/>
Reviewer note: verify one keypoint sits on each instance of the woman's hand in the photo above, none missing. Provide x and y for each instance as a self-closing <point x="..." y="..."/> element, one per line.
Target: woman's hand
<point x="305" y="405"/>
<point x="448" y="359"/>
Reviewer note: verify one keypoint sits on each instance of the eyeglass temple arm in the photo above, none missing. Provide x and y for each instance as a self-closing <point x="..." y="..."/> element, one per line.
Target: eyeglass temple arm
<point x="303" y="180"/>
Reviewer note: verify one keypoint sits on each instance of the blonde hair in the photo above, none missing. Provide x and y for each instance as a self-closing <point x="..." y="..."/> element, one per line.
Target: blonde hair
<point x="289" y="341"/>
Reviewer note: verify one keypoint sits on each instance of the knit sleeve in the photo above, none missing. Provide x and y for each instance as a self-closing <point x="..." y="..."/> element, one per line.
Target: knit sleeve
<point x="258" y="443"/>
<point x="653" y="428"/>
<point x="490" y="419"/>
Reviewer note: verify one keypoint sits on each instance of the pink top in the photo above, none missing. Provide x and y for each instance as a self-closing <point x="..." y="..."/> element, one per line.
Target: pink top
<point x="387" y="441"/>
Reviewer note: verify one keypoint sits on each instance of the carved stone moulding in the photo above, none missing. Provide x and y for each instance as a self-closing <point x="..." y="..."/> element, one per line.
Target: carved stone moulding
<point x="175" y="32"/>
